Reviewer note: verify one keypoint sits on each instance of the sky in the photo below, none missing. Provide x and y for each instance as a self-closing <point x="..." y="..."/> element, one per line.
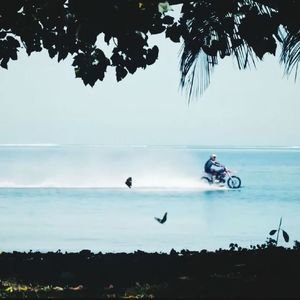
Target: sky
<point x="42" y="102"/>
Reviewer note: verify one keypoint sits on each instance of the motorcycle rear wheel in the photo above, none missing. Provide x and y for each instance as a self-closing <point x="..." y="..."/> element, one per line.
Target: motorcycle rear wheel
<point x="234" y="182"/>
<point x="206" y="180"/>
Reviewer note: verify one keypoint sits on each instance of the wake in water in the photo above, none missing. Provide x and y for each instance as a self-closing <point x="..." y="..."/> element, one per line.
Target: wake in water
<point x="100" y="167"/>
<point x="165" y="185"/>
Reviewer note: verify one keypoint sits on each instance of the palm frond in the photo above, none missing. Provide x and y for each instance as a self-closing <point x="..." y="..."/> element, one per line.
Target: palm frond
<point x="208" y="37"/>
<point x="196" y="72"/>
<point x="243" y="54"/>
<point x="290" y="55"/>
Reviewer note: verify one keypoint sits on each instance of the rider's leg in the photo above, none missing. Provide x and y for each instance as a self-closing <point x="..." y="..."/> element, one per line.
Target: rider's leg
<point x="219" y="173"/>
<point x="211" y="173"/>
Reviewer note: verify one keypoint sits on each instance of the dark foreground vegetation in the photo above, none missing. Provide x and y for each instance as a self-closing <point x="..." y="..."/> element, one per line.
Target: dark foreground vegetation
<point x="209" y="31"/>
<point x="259" y="272"/>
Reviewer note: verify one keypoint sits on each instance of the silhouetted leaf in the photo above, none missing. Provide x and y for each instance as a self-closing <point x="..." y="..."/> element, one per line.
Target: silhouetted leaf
<point x="290" y="53"/>
<point x="117" y="59"/>
<point x="91" y="77"/>
<point x="157" y="28"/>
<point x="285" y="236"/>
<point x="13" y="43"/>
<point x="271" y="45"/>
<point x="261" y="47"/>
<point x="13" y="54"/>
<point x="52" y="52"/>
<point x="174" y="33"/>
<point x="77" y="72"/>
<point x="78" y="60"/>
<point x="152" y="55"/>
<point x="272" y="232"/>
<point x="168" y="20"/>
<point x="131" y="67"/>
<point x="4" y="62"/>
<point x="120" y="73"/>
<point x="62" y="54"/>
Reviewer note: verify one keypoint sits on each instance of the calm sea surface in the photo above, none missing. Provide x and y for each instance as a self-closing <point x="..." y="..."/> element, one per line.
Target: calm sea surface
<point x="74" y="197"/>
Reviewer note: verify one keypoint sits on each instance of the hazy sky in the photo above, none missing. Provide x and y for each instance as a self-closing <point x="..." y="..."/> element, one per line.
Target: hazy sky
<point x="42" y="102"/>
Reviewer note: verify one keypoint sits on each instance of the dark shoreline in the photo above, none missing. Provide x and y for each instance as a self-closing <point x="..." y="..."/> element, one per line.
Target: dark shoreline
<point x="272" y="272"/>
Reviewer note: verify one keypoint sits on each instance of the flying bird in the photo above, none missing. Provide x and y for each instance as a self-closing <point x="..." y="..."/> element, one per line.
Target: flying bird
<point x="163" y="220"/>
<point x="128" y="182"/>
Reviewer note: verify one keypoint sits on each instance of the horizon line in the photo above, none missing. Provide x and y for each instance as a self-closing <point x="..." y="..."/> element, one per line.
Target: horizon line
<point x="199" y="146"/>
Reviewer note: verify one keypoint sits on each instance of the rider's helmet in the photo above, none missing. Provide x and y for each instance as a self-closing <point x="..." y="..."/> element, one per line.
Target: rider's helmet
<point x="213" y="156"/>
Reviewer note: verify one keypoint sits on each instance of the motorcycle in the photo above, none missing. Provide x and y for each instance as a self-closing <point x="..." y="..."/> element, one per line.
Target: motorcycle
<point x="233" y="182"/>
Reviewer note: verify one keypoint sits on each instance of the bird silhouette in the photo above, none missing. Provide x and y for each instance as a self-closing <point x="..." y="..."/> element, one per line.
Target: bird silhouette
<point x="163" y="220"/>
<point x="128" y="182"/>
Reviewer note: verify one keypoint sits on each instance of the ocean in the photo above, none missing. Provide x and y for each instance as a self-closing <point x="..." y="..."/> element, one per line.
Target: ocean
<point x="72" y="197"/>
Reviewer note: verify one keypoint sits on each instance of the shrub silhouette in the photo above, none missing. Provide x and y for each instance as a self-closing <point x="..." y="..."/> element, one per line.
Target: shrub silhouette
<point x="284" y="233"/>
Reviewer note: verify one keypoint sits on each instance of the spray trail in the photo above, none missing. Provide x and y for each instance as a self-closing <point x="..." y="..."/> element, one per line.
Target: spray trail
<point x="107" y="167"/>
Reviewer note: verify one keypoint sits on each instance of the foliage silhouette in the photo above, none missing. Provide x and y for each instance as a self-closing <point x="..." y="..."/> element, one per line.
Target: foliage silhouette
<point x="184" y="274"/>
<point x="284" y="233"/>
<point x="210" y="30"/>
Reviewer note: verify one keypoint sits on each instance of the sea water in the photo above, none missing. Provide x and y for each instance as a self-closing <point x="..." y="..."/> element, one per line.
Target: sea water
<point x="74" y="197"/>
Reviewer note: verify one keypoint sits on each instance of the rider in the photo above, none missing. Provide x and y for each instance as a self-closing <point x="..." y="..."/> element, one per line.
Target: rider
<point x="213" y="167"/>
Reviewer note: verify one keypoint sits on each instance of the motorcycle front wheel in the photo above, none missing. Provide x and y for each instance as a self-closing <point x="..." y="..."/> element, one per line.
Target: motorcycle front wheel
<point x="234" y="182"/>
